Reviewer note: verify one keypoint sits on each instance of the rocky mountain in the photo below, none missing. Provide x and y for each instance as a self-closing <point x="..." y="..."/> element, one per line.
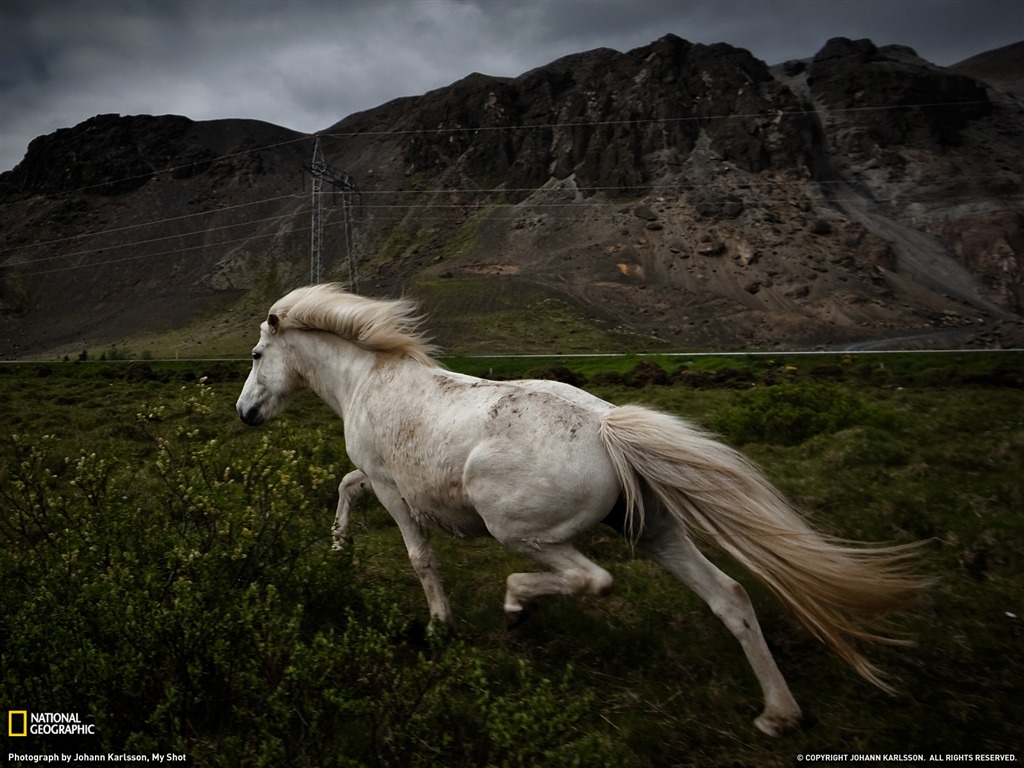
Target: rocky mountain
<point x="674" y="196"/>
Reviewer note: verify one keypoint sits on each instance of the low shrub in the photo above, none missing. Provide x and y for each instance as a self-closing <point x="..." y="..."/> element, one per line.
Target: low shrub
<point x="789" y="414"/>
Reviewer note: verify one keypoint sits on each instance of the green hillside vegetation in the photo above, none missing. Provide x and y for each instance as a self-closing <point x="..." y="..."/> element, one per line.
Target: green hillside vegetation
<point x="167" y="572"/>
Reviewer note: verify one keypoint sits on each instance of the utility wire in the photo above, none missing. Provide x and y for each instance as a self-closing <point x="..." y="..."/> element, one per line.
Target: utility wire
<point x="153" y="255"/>
<point x="173" y="168"/>
<point x="164" y="238"/>
<point x="675" y="186"/>
<point x="423" y="131"/>
<point x="918" y="196"/>
<point x="152" y="223"/>
<point x="776" y="114"/>
<point x="575" y="207"/>
<point x="301" y="229"/>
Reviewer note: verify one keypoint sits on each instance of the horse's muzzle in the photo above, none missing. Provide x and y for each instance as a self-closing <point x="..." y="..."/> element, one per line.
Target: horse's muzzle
<point x="252" y="417"/>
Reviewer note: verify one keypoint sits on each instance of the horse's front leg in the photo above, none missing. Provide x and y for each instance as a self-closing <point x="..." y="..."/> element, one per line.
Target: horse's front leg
<point x="353" y="485"/>
<point x="420" y="555"/>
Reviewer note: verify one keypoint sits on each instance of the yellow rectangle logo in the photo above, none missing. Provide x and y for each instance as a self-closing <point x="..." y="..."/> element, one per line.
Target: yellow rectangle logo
<point x="17" y="722"/>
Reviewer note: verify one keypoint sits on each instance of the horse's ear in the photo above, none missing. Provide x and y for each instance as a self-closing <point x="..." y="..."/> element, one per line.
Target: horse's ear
<point x="273" y="321"/>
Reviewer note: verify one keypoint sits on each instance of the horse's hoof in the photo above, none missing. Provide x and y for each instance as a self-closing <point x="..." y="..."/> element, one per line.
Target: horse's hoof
<point x="778" y="724"/>
<point x="438" y="630"/>
<point x="515" y="617"/>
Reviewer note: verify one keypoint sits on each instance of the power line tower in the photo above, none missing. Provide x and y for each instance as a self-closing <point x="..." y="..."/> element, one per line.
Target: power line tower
<point x="321" y="170"/>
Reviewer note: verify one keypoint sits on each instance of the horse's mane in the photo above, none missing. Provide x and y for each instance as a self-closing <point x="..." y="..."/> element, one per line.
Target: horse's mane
<point x="391" y="326"/>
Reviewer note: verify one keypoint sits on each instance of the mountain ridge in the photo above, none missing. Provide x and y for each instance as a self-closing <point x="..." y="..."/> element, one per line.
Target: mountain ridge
<point x="673" y="196"/>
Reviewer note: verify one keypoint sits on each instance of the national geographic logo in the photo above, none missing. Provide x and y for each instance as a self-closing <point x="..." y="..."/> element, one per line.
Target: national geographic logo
<point x="17" y="722"/>
<point x="21" y="722"/>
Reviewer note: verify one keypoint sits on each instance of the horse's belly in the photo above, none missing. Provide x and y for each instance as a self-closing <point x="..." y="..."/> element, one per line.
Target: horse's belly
<point x="464" y="523"/>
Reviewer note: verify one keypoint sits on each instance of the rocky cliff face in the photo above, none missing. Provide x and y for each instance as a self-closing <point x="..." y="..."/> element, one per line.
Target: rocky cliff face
<point x="616" y="122"/>
<point x="933" y="151"/>
<point x="686" y="194"/>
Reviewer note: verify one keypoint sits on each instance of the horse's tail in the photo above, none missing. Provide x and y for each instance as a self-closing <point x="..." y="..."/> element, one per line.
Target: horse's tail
<point x="832" y="585"/>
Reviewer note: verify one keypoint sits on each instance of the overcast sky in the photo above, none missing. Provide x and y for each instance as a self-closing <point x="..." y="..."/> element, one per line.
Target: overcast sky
<point x="305" y="64"/>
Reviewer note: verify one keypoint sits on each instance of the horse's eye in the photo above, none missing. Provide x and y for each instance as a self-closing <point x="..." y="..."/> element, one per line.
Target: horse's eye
<point x="256" y="355"/>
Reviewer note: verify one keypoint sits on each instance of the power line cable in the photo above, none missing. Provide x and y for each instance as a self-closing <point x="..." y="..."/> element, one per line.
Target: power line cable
<point x="412" y="131"/>
<point x="576" y="207"/>
<point x="152" y="223"/>
<point x="163" y="238"/>
<point x="306" y="211"/>
<point x="776" y="114"/>
<point x="430" y="206"/>
<point x="152" y="255"/>
<point x="174" y="168"/>
<point x="920" y="195"/>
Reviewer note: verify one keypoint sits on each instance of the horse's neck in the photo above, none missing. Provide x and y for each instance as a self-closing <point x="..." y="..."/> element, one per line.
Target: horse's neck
<point x="332" y="367"/>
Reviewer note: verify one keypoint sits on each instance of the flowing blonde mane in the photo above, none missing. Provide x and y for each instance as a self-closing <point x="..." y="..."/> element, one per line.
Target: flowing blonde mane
<point x="390" y="326"/>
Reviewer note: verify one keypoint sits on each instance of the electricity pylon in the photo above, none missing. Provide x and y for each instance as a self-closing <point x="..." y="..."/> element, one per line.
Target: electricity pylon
<point x="320" y="170"/>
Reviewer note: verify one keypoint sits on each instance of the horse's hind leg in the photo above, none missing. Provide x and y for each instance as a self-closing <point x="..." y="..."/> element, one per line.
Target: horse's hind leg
<point x="573" y="574"/>
<point x="729" y="601"/>
<point x="353" y="485"/>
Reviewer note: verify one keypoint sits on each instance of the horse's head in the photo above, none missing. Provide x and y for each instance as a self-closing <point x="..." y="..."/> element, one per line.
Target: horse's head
<point x="272" y="381"/>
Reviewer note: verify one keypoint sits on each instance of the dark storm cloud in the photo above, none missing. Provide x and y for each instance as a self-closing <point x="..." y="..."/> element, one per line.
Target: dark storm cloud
<point x="307" y="64"/>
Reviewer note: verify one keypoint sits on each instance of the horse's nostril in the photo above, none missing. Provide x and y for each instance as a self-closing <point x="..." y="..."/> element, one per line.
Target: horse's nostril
<point x="251" y="417"/>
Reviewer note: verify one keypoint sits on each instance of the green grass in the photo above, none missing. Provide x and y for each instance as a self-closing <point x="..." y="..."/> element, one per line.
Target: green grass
<point x="167" y="574"/>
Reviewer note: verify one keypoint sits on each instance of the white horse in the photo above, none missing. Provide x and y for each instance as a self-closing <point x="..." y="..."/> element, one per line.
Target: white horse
<point x="535" y="463"/>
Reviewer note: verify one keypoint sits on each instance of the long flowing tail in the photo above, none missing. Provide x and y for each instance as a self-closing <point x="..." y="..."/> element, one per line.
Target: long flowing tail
<point x="833" y="585"/>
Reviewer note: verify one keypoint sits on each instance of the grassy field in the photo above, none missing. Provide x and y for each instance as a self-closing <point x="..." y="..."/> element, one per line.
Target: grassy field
<point x="167" y="574"/>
